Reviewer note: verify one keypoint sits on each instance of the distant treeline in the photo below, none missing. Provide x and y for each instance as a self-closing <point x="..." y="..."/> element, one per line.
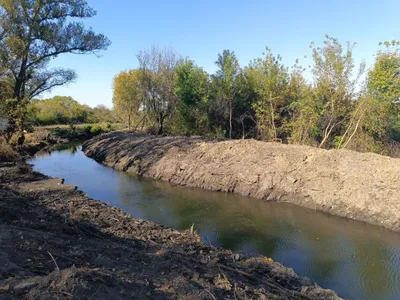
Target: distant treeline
<point x="340" y="106"/>
<point x="65" y="110"/>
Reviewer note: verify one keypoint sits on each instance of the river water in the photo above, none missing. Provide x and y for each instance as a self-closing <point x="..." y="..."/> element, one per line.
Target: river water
<point x="357" y="260"/>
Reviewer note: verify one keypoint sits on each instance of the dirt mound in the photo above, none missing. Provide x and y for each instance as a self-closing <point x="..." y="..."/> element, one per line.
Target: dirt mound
<point x="56" y="243"/>
<point x="360" y="186"/>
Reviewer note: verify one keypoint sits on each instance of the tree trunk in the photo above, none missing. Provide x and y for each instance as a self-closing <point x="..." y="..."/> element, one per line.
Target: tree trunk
<point x="273" y="121"/>
<point x="18" y="115"/>
<point x="21" y="136"/>
<point x="141" y="121"/>
<point x="160" y="125"/>
<point x="327" y="134"/>
<point x="352" y="135"/>
<point x="230" y="119"/>
<point x="129" y="122"/>
<point x="242" y="129"/>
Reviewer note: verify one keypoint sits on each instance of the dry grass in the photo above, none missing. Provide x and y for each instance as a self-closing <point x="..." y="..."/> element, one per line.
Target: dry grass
<point x="7" y="153"/>
<point x="39" y="135"/>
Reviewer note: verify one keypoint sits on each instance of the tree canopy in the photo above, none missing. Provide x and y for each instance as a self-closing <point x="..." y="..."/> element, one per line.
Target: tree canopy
<point x="32" y="33"/>
<point x="269" y="101"/>
<point x="66" y="110"/>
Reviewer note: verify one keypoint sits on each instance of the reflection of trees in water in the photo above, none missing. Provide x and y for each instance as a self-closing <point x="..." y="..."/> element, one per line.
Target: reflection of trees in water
<point x="329" y="249"/>
<point x="43" y="153"/>
<point x="71" y="147"/>
<point x="379" y="275"/>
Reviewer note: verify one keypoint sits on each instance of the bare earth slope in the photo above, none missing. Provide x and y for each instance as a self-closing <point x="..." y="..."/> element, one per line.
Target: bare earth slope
<point x="56" y="243"/>
<point x="360" y="186"/>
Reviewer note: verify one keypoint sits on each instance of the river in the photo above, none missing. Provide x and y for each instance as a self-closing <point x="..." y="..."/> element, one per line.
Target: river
<point x="357" y="260"/>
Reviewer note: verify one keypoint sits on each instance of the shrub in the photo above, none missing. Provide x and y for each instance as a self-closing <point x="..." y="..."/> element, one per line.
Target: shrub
<point x="87" y="128"/>
<point x="72" y="127"/>
<point x="96" y="130"/>
<point x="37" y="136"/>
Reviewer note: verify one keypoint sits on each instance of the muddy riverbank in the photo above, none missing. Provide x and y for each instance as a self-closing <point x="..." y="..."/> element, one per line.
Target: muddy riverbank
<point x="59" y="244"/>
<point x="360" y="186"/>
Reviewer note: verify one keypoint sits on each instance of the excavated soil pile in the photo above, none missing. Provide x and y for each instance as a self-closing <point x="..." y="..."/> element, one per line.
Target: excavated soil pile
<point x="360" y="186"/>
<point x="56" y="243"/>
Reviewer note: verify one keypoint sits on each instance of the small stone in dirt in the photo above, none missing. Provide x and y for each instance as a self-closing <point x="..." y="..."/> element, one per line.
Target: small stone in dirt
<point x="196" y="277"/>
<point x="222" y="283"/>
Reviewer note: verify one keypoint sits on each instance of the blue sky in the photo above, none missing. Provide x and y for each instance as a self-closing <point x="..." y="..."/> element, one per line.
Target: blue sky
<point x="200" y="29"/>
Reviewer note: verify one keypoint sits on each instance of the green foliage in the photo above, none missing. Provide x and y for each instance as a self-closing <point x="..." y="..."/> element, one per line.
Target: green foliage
<point x="96" y="130"/>
<point x="191" y="89"/>
<point x="304" y="111"/>
<point x="128" y="96"/>
<point x="335" y="87"/>
<point x="337" y="141"/>
<point x="224" y="86"/>
<point x="32" y="33"/>
<point x="384" y="79"/>
<point x="58" y="110"/>
<point x="65" y="110"/>
<point x="87" y="128"/>
<point x="270" y="80"/>
<point x="157" y="80"/>
<point x="384" y="86"/>
<point x="268" y="101"/>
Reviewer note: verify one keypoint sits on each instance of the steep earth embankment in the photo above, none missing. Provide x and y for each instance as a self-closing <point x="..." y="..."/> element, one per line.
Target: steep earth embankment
<point x="56" y="243"/>
<point x="360" y="186"/>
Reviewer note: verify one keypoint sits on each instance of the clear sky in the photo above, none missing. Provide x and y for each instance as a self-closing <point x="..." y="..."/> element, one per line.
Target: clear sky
<point x="200" y="29"/>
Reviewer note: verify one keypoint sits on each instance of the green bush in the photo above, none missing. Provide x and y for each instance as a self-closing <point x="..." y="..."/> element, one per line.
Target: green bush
<point x="96" y="130"/>
<point x="87" y="128"/>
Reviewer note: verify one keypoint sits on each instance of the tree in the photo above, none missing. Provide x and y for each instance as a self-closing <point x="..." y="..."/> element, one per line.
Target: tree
<point x="102" y="113"/>
<point x="304" y="112"/>
<point x="157" y="79"/>
<point x="128" y="95"/>
<point x="32" y="32"/>
<point x="376" y="118"/>
<point x="191" y="89"/>
<point x="270" y="79"/>
<point x="245" y="97"/>
<point x="224" y="84"/>
<point x="58" y="110"/>
<point x="384" y="78"/>
<point x="335" y="86"/>
<point x="384" y="85"/>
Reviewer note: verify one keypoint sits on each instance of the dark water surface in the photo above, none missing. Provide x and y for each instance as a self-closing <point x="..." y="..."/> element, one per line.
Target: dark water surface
<point x="357" y="260"/>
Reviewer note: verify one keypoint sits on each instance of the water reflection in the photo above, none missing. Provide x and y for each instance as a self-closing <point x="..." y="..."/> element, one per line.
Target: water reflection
<point x="70" y="148"/>
<point x="356" y="260"/>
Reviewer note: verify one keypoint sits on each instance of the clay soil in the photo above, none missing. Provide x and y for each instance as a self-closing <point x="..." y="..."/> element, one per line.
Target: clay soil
<point x="359" y="186"/>
<point x="56" y="243"/>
